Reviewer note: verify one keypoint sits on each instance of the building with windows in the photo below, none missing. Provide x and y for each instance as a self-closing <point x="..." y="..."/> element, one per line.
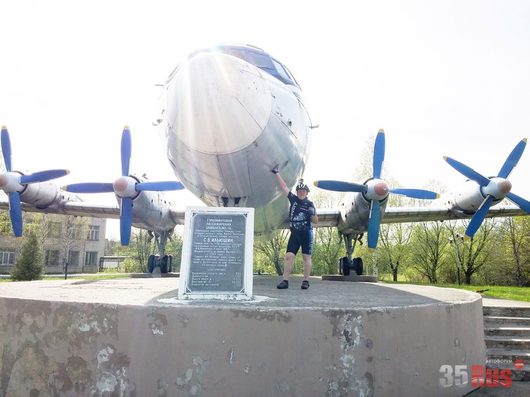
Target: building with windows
<point x="76" y="241"/>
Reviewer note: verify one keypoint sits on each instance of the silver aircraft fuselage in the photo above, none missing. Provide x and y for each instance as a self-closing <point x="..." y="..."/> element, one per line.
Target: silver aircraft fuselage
<point x="230" y="120"/>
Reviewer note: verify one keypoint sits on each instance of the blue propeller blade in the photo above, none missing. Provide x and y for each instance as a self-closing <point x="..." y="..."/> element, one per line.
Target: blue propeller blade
<point x="379" y="154"/>
<point x="521" y="202"/>
<point x="89" y="188"/>
<point x="468" y="171"/>
<point x="6" y="148"/>
<point x="159" y="186"/>
<point x="479" y="216"/>
<point x="125" y="220"/>
<point x="373" y="224"/>
<point x="338" y="186"/>
<point x="125" y="151"/>
<point x="42" y="176"/>
<point x="416" y="193"/>
<point x="15" y="213"/>
<point x="512" y="159"/>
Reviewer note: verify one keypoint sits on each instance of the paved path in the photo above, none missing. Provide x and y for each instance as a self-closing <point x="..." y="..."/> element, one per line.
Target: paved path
<point x="495" y="302"/>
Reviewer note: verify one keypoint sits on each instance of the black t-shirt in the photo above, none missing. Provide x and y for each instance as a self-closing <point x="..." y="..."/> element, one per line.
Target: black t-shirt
<point x="300" y="213"/>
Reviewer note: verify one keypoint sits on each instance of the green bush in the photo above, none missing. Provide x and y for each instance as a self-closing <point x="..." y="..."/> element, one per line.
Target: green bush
<point x="29" y="265"/>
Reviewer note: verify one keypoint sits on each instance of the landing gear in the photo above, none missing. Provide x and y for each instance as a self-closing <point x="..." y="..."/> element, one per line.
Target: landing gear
<point x="347" y="263"/>
<point x="346" y="266"/>
<point x="165" y="264"/>
<point x="162" y="261"/>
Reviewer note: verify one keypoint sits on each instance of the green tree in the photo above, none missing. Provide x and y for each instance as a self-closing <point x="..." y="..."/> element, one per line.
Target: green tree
<point x="473" y="254"/>
<point x="429" y="241"/>
<point x="142" y="245"/>
<point x="327" y="251"/>
<point x="394" y="240"/>
<point x="29" y="265"/>
<point x="174" y="248"/>
<point x="516" y="233"/>
<point x="273" y="248"/>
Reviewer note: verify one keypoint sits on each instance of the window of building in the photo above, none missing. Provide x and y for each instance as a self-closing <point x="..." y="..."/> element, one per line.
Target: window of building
<point x="54" y="229"/>
<point x="93" y="233"/>
<point x="91" y="258"/>
<point x="73" y="258"/>
<point x="51" y="258"/>
<point x="7" y="258"/>
<point x="73" y="232"/>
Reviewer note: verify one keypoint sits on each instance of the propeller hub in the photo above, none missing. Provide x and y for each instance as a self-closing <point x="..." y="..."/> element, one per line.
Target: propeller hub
<point x="377" y="189"/>
<point x="381" y="189"/>
<point x="10" y="182"/>
<point x="498" y="188"/>
<point x="125" y="186"/>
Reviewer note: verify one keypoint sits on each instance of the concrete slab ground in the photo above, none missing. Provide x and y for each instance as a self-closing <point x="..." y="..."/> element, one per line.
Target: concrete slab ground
<point x="133" y="337"/>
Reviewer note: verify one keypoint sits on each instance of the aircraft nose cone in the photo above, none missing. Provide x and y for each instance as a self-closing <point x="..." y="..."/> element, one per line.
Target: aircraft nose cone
<point x="221" y="103"/>
<point x="381" y="189"/>
<point x="120" y="186"/>
<point x="505" y="187"/>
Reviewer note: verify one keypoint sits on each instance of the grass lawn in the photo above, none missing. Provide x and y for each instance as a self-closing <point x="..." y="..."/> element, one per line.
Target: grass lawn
<point x="491" y="291"/>
<point x="497" y="291"/>
<point x="95" y="276"/>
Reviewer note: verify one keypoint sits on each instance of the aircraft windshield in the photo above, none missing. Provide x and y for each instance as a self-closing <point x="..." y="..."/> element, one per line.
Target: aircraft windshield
<point x="260" y="59"/>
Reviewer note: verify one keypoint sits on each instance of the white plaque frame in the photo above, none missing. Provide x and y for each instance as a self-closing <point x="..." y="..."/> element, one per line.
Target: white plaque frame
<point x="184" y="291"/>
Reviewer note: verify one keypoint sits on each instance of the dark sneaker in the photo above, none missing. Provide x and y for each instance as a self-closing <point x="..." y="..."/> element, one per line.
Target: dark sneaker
<point x="283" y="285"/>
<point x="305" y="284"/>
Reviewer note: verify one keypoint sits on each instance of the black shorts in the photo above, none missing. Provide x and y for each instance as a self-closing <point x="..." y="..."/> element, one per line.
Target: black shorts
<point x="299" y="239"/>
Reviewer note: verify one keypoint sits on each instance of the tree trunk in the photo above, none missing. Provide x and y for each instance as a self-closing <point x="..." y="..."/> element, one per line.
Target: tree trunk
<point x="278" y="266"/>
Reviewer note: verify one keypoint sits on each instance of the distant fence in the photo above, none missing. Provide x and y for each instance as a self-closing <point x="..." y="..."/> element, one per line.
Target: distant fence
<point x="111" y="262"/>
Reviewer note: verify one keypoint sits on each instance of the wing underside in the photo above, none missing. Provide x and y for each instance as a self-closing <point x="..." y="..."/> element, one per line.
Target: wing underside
<point x="330" y="218"/>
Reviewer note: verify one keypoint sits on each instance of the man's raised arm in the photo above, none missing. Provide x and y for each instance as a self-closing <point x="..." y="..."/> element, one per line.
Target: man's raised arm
<point x="280" y="180"/>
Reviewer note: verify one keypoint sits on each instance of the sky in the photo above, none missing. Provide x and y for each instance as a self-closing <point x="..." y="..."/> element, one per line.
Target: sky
<point x="441" y="77"/>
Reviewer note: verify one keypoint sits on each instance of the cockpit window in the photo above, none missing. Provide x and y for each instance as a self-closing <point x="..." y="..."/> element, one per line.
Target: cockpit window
<point x="281" y="71"/>
<point x="255" y="56"/>
<point x="261" y="60"/>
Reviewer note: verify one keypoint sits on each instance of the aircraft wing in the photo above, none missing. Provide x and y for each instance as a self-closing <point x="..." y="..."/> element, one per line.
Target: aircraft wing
<point x="79" y="208"/>
<point x="73" y="208"/>
<point x="330" y="217"/>
<point x="327" y="217"/>
<point x="427" y="214"/>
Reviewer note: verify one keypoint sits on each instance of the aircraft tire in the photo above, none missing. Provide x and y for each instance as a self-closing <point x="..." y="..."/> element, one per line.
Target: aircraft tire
<point x="164" y="264"/>
<point x="170" y="263"/>
<point x="345" y="265"/>
<point x="358" y="265"/>
<point x="151" y="263"/>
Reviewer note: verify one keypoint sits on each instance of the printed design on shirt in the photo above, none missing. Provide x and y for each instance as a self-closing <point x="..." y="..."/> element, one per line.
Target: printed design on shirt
<point x="299" y="214"/>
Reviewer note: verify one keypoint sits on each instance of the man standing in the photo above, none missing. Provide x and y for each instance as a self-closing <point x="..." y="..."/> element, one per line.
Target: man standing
<point x="301" y="214"/>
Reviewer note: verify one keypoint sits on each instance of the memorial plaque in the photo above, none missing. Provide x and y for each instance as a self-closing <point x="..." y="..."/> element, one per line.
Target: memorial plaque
<point x="217" y="253"/>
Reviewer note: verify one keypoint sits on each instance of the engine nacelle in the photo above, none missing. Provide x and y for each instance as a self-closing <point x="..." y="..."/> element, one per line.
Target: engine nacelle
<point x="469" y="197"/>
<point x="41" y="195"/>
<point x="354" y="213"/>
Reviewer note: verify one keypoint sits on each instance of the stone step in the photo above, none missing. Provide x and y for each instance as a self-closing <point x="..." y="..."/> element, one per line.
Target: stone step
<point x="519" y="332"/>
<point x="506" y="311"/>
<point x="491" y="321"/>
<point x="507" y="342"/>
<point x="508" y="356"/>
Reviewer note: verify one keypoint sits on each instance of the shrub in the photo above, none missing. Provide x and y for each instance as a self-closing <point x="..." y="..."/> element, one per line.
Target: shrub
<point x="29" y="265"/>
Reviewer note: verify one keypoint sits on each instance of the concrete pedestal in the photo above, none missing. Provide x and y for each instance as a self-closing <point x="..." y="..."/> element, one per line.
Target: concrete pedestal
<point x="133" y="337"/>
